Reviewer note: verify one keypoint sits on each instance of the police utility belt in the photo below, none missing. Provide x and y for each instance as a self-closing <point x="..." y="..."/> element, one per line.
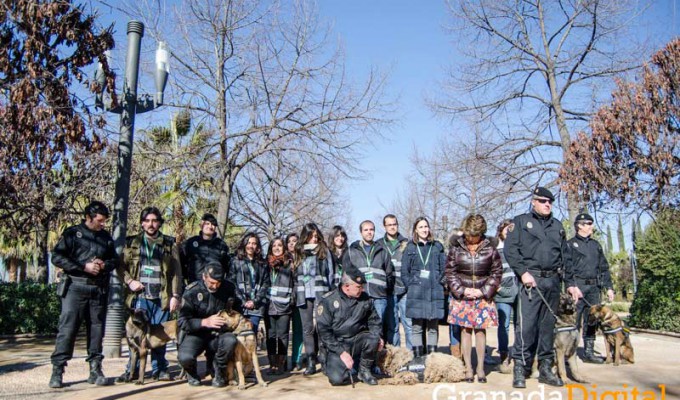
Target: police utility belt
<point x="592" y="282"/>
<point x="85" y="281"/>
<point x="540" y="273"/>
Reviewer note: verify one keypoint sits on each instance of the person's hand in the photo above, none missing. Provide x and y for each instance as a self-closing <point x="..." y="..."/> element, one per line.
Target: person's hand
<point x="213" y="322"/>
<point x="477" y="293"/>
<point x="575" y="293"/>
<point x="347" y="359"/>
<point x="610" y="295"/>
<point x="174" y="304"/>
<point x="249" y="305"/>
<point x="528" y="280"/>
<point x="136" y="286"/>
<point x="93" y="268"/>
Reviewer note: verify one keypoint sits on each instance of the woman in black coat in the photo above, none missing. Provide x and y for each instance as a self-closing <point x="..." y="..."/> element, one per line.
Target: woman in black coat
<point x="423" y="267"/>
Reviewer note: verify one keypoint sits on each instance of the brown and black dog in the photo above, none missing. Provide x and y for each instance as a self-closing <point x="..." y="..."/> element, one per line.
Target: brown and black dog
<point x="245" y="353"/>
<point x="142" y="337"/>
<point x="566" y="339"/>
<point x="616" y="336"/>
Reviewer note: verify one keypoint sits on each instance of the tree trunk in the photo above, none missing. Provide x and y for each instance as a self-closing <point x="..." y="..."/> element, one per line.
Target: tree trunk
<point x="12" y="269"/>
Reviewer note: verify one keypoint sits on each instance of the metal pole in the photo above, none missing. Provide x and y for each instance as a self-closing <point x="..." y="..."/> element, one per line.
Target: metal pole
<point x="115" y="316"/>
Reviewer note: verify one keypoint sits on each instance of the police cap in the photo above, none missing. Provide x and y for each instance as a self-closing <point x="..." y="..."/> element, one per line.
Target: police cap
<point x="543" y="192"/>
<point x="356" y="276"/>
<point x="209" y="218"/>
<point x="214" y="270"/>
<point x="584" y="217"/>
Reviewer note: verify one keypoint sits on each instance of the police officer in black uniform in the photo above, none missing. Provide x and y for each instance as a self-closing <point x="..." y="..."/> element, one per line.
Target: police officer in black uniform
<point x="198" y="250"/>
<point x="536" y="249"/>
<point x="198" y="318"/>
<point x="349" y="329"/>
<point x="87" y="255"/>
<point x="591" y="274"/>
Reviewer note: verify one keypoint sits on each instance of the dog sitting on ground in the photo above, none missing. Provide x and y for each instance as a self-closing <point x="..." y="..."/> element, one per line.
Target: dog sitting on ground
<point x="245" y="353"/>
<point x="616" y="336"/>
<point x="566" y="339"/>
<point x="396" y="362"/>
<point x="142" y="337"/>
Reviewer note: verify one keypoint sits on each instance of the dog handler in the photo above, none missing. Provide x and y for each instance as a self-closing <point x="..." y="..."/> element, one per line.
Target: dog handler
<point x="591" y="274"/>
<point x="535" y="249"/>
<point x="349" y="330"/>
<point x="152" y="275"/>
<point x="201" y="302"/>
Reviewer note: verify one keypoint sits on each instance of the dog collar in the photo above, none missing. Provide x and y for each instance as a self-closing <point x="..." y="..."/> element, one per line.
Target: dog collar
<point x="619" y="329"/>
<point x="566" y="328"/>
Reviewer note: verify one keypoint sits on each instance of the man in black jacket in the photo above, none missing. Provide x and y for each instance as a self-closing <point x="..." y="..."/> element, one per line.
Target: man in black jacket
<point x="536" y="249"/>
<point x="201" y="302"/>
<point x="198" y="250"/>
<point x="87" y="255"/>
<point x="349" y="329"/>
<point x="591" y="274"/>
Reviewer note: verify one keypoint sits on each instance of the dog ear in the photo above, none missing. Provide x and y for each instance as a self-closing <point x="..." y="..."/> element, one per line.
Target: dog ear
<point x="230" y="304"/>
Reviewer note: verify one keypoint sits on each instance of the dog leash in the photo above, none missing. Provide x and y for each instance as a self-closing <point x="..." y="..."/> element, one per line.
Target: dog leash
<point x="528" y="289"/>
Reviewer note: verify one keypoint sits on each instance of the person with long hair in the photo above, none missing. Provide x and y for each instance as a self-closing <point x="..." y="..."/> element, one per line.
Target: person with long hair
<point x="423" y="265"/>
<point x="280" y="305"/>
<point x="473" y="274"/>
<point x="337" y="244"/>
<point x="314" y="276"/>
<point x="296" y="350"/>
<point x="505" y="298"/>
<point x="250" y="273"/>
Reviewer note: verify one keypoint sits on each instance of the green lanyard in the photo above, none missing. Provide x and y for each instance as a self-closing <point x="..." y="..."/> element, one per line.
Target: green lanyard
<point x="149" y="253"/>
<point x="274" y="275"/>
<point x="369" y="256"/>
<point x="421" y="255"/>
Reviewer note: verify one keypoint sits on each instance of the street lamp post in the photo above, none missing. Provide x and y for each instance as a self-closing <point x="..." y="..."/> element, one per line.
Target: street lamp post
<point x="129" y="107"/>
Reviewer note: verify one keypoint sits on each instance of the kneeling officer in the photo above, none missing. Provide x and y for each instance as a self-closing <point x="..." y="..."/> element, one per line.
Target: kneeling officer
<point x="349" y="329"/>
<point x="201" y="302"/>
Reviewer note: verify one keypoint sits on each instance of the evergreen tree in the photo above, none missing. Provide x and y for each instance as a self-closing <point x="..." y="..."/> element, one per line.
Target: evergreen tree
<point x="610" y="243"/>
<point x="619" y="232"/>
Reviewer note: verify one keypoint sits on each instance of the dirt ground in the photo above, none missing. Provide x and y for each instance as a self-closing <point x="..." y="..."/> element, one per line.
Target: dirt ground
<point x="25" y="369"/>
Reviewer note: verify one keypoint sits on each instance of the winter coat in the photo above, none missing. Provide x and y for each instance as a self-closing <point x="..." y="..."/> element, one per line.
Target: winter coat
<point x="376" y="267"/>
<point x="253" y="287"/>
<point x="396" y="255"/>
<point x="423" y="266"/>
<point x="481" y="271"/>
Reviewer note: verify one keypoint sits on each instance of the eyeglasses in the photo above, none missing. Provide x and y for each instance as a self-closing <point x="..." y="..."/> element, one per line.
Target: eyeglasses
<point x="543" y="201"/>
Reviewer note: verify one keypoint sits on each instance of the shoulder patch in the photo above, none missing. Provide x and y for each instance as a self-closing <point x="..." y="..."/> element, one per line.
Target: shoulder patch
<point x="319" y="309"/>
<point x="79" y="234"/>
<point x="530" y="225"/>
<point x="575" y="244"/>
<point x="336" y="304"/>
<point x="199" y="296"/>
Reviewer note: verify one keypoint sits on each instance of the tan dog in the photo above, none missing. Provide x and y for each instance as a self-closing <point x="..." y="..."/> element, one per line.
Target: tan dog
<point x="616" y="336"/>
<point x="142" y="337"/>
<point x="245" y="353"/>
<point x="438" y="367"/>
<point x="566" y="339"/>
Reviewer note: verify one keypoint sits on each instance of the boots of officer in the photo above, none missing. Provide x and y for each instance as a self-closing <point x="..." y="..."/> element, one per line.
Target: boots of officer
<point x="192" y="375"/>
<point x="518" y="379"/>
<point x="311" y="365"/>
<point x="546" y="375"/>
<point x="589" y="352"/>
<point x="417" y="351"/>
<point x="96" y="375"/>
<point x="57" y="376"/>
<point x="219" y="379"/>
<point x="365" y="374"/>
<point x="431" y="349"/>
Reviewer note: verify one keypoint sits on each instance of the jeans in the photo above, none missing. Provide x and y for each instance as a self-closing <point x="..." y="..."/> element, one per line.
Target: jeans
<point x="380" y="306"/>
<point x="454" y="331"/>
<point x="400" y="316"/>
<point x="391" y="322"/>
<point x="255" y="320"/>
<point x="504" y="310"/>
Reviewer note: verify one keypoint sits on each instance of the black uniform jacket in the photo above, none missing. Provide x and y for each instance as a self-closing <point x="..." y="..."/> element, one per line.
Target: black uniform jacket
<point x="589" y="261"/>
<point x="78" y="245"/>
<point x="339" y="318"/>
<point x="199" y="303"/>
<point x="195" y="252"/>
<point x="538" y="243"/>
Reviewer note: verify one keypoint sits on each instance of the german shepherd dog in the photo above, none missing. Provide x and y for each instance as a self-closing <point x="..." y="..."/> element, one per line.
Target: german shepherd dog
<point x="616" y="336"/>
<point x="566" y="339"/>
<point x="245" y="353"/>
<point x="142" y="337"/>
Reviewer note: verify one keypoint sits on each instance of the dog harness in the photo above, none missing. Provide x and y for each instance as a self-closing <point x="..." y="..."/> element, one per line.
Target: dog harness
<point x="566" y="328"/>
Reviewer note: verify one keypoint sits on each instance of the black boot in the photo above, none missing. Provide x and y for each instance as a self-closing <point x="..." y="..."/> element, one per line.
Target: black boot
<point x="56" y="378"/>
<point x="589" y="352"/>
<point x="273" y="365"/>
<point x="192" y="376"/>
<point x="96" y="375"/>
<point x="546" y="375"/>
<point x="417" y="351"/>
<point x="518" y="379"/>
<point x="365" y="374"/>
<point x="311" y="365"/>
<point x="431" y="349"/>
<point x="219" y="380"/>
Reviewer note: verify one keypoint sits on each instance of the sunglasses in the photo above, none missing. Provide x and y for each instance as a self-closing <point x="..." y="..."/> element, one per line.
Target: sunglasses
<point x="585" y="223"/>
<point x="543" y="201"/>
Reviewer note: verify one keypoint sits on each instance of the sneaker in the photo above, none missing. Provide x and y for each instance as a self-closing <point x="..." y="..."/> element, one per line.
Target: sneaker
<point x="164" y="376"/>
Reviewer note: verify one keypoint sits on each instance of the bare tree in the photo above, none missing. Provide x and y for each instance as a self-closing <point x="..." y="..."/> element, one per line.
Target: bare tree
<point x="533" y="77"/>
<point x="263" y="76"/>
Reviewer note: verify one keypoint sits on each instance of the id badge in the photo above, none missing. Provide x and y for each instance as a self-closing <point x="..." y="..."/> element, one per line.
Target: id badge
<point x="305" y="278"/>
<point x="425" y="274"/>
<point x="369" y="276"/>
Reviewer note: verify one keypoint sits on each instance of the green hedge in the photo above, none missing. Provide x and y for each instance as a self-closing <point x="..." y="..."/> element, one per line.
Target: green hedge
<point x="28" y="307"/>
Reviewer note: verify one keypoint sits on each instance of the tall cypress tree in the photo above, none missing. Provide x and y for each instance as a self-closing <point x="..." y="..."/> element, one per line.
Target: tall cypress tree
<point x="610" y="242"/>
<point x="619" y="231"/>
